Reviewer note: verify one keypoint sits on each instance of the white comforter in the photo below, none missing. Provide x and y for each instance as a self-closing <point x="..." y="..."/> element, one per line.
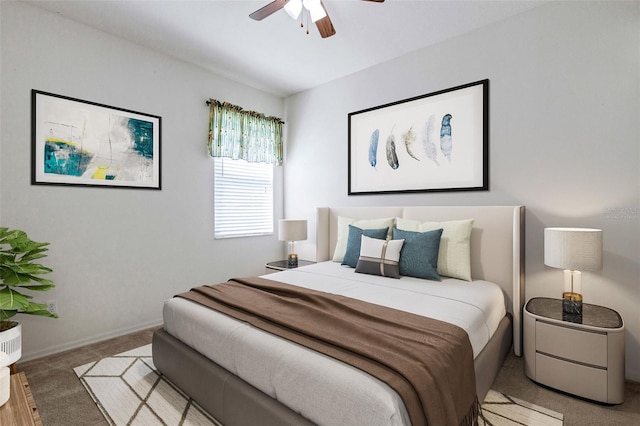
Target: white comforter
<point x="320" y="388"/>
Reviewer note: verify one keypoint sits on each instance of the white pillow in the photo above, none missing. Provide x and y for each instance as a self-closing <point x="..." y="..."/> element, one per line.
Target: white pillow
<point x="343" y="231"/>
<point x="379" y="257"/>
<point x="454" y="257"/>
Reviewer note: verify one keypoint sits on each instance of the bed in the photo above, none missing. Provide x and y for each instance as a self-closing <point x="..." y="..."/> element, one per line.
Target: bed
<point x="248" y="391"/>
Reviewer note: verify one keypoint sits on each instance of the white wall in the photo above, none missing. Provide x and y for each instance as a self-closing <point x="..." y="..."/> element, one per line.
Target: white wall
<point x="0" y="108"/>
<point x="117" y="254"/>
<point x="564" y="131"/>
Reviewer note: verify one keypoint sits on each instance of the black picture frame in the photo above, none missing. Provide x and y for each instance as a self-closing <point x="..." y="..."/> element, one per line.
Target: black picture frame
<point x="430" y="143"/>
<point x="77" y="142"/>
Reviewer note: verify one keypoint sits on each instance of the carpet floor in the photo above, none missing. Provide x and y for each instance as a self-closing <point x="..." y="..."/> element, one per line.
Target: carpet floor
<point x="129" y="391"/>
<point x="62" y="400"/>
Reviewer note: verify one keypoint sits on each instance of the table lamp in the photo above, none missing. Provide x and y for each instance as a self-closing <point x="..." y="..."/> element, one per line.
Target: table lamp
<point x="573" y="249"/>
<point x="292" y="230"/>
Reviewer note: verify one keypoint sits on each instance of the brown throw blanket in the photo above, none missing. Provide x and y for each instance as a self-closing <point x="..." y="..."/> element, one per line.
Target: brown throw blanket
<point x="429" y="363"/>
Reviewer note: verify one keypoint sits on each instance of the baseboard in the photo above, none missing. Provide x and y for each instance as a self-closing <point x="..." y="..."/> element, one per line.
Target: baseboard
<point x="93" y="339"/>
<point x="633" y="375"/>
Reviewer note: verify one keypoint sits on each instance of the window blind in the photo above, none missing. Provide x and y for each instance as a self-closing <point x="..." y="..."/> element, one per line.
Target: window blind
<point x="243" y="201"/>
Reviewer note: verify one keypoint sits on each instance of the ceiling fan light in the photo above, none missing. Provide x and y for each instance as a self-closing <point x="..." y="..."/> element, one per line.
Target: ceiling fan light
<point x="317" y="12"/>
<point x="293" y="8"/>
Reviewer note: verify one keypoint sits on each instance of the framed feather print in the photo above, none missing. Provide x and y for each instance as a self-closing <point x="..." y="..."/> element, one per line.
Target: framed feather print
<point x="76" y="142"/>
<point x="434" y="142"/>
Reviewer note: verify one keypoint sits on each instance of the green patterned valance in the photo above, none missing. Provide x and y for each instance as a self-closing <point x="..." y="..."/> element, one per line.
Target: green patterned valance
<point x="244" y="135"/>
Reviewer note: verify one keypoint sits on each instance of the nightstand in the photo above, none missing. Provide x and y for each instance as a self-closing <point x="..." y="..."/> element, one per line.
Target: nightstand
<point x="579" y="354"/>
<point x="282" y="265"/>
<point x="21" y="408"/>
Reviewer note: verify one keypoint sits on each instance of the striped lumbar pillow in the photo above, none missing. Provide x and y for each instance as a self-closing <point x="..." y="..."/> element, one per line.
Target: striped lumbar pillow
<point x="379" y="257"/>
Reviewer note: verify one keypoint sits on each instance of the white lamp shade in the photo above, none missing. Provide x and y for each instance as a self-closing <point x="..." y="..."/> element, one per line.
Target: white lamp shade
<point x="573" y="248"/>
<point x="292" y="230"/>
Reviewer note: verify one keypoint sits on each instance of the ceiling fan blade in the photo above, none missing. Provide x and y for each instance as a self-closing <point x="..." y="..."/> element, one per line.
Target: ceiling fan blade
<point x="267" y="10"/>
<point x="377" y="1"/>
<point x="325" y="26"/>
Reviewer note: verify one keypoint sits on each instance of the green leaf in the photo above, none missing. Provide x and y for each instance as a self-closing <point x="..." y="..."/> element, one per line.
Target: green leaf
<point x="39" y="309"/>
<point x="12" y="300"/>
<point x="18" y="269"/>
<point x="40" y="287"/>
<point x="33" y="255"/>
<point x="42" y="313"/>
<point x="26" y="268"/>
<point x="16" y="239"/>
<point x="13" y="278"/>
<point x="7" y="234"/>
<point x="32" y="247"/>
<point x="42" y="281"/>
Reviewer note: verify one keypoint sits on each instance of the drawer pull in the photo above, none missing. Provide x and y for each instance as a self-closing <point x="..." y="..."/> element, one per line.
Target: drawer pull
<point x="572" y="361"/>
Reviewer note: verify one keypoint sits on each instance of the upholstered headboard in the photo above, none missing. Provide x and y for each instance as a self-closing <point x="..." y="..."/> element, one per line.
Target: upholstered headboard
<point x="497" y="243"/>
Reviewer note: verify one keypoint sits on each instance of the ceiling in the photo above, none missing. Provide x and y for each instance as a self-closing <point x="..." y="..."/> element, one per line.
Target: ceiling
<point x="276" y="55"/>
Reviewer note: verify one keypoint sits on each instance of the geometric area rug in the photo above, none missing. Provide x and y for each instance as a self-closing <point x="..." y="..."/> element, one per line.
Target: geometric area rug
<point x="501" y="409"/>
<point x="129" y="391"/>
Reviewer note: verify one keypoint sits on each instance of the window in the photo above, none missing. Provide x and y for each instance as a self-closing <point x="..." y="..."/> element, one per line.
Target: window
<point x="243" y="200"/>
<point x="245" y="146"/>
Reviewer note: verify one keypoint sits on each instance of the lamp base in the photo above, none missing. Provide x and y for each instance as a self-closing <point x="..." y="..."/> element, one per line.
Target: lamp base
<point x="572" y="303"/>
<point x="292" y="260"/>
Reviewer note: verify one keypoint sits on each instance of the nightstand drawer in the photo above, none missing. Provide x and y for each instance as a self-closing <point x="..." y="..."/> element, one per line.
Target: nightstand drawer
<point x="577" y="379"/>
<point x="564" y="342"/>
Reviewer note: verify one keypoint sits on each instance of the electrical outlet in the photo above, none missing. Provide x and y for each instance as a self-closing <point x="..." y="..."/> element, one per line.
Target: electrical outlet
<point x="52" y="307"/>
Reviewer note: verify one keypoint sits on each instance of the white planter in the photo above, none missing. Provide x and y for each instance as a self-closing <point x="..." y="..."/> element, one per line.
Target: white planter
<point x="5" y="384"/>
<point x="11" y="344"/>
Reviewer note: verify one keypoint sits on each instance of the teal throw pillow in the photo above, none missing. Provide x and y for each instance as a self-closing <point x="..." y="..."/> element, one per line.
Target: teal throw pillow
<point x="352" y="254"/>
<point x="419" y="255"/>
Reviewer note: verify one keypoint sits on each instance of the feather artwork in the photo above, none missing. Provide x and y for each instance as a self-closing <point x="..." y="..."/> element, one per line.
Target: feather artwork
<point x="392" y="157"/>
<point x="373" y="148"/>
<point x="427" y="141"/>
<point x="408" y="139"/>
<point x="446" y="145"/>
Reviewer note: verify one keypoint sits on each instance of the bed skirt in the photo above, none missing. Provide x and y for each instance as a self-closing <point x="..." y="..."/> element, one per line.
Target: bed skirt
<point x="234" y="402"/>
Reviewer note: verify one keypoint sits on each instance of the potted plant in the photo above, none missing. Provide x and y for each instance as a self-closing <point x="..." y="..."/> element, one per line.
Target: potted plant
<point x="19" y="271"/>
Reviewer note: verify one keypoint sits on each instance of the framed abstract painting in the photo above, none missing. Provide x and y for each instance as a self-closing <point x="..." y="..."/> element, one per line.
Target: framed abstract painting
<point x="75" y="142"/>
<point x="434" y="142"/>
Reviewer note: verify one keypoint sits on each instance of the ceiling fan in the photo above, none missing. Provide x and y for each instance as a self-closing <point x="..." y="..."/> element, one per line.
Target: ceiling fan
<point x="316" y="9"/>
